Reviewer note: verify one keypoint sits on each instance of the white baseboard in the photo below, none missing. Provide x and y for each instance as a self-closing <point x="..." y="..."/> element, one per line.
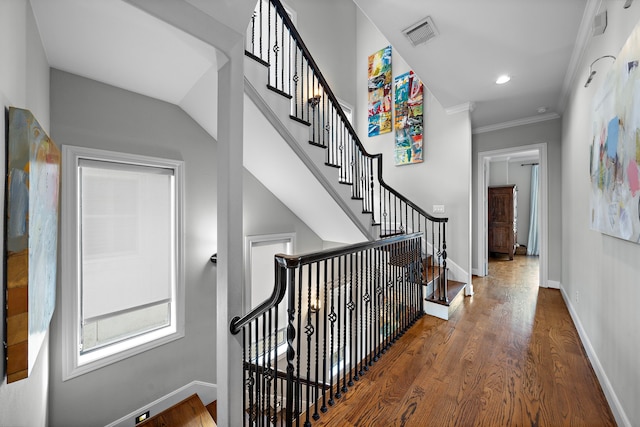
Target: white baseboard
<point x="206" y="391"/>
<point x="554" y="284"/>
<point x="476" y="272"/>
<point x="607" y="388"/>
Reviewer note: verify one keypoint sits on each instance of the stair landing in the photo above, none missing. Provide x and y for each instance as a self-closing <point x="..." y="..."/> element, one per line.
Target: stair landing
<point x="443" y="309"/>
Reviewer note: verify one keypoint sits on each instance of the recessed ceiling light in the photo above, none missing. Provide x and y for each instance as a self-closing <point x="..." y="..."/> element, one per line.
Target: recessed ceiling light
<point x="503" y="79"/>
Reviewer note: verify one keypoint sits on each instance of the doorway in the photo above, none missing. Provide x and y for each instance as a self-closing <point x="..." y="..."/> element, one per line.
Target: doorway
<point x="260" y="280"/>
<point x="523" y="154"/>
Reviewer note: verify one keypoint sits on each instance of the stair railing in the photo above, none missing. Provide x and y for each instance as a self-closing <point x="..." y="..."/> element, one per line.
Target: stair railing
<point x="332" y="314"/>
<point x="273" y="40"/>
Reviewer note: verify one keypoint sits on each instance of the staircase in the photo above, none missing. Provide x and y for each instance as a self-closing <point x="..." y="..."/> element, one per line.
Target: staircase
<point x="334" y="313"/>
<point x="438" y="303"/>
<point x="190" y="412"/>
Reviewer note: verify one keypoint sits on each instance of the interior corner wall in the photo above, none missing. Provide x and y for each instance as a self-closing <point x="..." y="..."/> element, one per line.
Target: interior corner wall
<point x="332" y="46"/>
<point x="24" y="83"/>
<point x="599" y="272"/>
<point x="444" y="178"/>
<point x="548" y="132"/>
<point x="95" y="115"/>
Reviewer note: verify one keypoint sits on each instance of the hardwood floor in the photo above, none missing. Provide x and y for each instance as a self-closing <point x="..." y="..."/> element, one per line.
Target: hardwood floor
<point x="509" y="356"/>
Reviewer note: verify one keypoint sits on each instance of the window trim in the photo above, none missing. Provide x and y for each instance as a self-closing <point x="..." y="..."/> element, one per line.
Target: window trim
<point x="73" y="364"/>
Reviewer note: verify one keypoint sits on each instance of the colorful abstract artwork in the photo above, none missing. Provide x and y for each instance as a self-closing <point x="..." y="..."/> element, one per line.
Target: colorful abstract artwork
<point x="409" y="119"/>
<point x="615" y="149"/>
<point x="379" y="90"/>
<point x="33" y="170"/>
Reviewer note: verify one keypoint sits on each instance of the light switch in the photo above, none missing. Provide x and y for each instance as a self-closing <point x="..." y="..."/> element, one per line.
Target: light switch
<point x="438" y="209"/>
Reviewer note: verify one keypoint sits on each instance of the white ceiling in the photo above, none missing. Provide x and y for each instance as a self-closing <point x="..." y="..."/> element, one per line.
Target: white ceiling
<point x="116" y="43"/>
<point x="533" y="41"/>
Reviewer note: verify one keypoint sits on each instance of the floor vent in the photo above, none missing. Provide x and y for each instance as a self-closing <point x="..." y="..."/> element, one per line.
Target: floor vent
<point x="421" y="32"/>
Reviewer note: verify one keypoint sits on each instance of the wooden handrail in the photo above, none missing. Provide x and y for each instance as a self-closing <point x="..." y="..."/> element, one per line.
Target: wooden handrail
<point x="293" y="261"/>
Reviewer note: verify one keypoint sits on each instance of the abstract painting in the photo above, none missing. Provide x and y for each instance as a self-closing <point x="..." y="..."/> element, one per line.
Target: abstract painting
<point x="33" y="170"/>
<point x="615" y="147"/>
<point x="379" y="90"/>
<point x="409" y="119"/>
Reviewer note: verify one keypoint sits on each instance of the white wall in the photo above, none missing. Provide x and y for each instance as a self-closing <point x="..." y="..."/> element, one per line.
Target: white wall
<point x="24" y="83"/>
<point x="332" y="46"/>
<point x="521" y="177"/>
<point x="444" y="176"/>
<point x="600" y="274"/>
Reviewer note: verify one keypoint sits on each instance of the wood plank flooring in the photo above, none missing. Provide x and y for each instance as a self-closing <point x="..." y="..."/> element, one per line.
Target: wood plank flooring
<point x="509" y="356"/>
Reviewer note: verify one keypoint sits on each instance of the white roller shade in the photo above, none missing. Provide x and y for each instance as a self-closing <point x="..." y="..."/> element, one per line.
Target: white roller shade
<point x="128" y="229"/>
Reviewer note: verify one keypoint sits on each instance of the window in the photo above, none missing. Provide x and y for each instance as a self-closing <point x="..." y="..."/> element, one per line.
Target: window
<point x="122" y="256"/>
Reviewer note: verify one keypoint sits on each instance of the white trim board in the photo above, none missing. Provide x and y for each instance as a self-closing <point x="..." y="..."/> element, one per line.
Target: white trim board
<point x="206" y="391"/>
<point x="481" y="236"/>
<point x="607" y="388"/>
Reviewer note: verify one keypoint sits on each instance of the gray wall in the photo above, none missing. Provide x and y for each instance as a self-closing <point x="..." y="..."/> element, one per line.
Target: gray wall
<point x="266" y="214"/>
<point x="548" y="132"/>
<point x="91" y="114"/>
<point x="600" y="274"/>
<point x="444" y="176"/>
<point x="24" y="83"/>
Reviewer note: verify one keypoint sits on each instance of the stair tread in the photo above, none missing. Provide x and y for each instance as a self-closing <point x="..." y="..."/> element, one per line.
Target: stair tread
<point x="453" y="290"/>
<point x="190" y="412"/>
<point x="213" y="410"/>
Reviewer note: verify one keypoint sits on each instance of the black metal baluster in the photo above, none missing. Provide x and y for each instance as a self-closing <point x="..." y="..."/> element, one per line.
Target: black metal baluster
<point x="267" y="371"/>
<point x="351" y="306"/>
<point x="324" y="341"/>
<point x="296" y="79"/>
<point x="282" y="87"/>
<point x="444" y="262"/>
<point x="269" y="39"/>
<point x="359" y="309"/>
<point x="299" y="343"/>
<point x="344" y="326"/>
<point x="316" y="416"/>
<point x="276" y="397"/>
<point x="332" y="319"/>
<point x="309" y="330"/>
<point x="247" y="368"/>
<point x="340" y="319"/>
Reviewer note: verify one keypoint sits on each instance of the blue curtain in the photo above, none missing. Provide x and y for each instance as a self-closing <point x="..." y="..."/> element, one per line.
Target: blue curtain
<point x="532" y="242"/>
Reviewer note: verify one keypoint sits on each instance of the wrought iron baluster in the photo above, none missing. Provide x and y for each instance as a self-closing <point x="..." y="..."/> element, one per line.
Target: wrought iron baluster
<point x="324" y="341"/>
<point x="316" y="416"/>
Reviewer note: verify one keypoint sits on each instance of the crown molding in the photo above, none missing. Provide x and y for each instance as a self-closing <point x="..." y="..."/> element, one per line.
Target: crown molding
<point x="518" y="122"/>
<point x="580" y="46"/>
<point x="467" y="106"/>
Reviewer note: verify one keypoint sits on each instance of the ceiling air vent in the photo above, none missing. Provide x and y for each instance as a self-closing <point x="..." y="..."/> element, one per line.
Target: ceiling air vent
<point x="421" y="32"/>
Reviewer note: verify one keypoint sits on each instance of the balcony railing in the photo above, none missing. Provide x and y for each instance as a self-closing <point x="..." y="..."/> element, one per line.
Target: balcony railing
<point x="332" y="315"/>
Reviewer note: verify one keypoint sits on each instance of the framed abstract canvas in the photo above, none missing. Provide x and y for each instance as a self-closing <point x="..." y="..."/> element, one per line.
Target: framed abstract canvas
<point x="379" y="92"/>
<point x="409" y="119"/>
<point x="615" y="147"/>
<point x="32" y="192"/>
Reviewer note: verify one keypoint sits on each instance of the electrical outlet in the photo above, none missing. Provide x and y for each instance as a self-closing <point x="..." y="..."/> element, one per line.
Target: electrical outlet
<point x="438" y="209"/>
<point x="140" y="418"/>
